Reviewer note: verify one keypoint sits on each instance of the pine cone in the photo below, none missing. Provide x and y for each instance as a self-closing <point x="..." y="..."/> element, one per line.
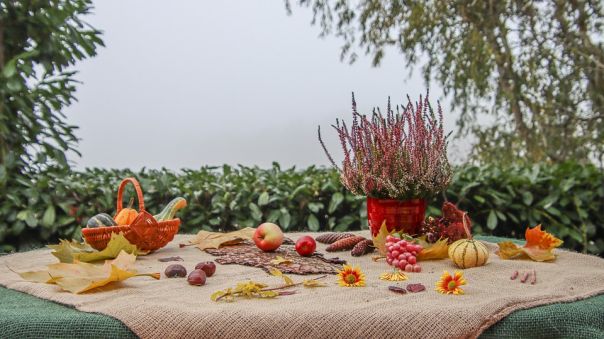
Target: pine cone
<point x="344" y="244"/>
<point x="330" y="238"/>
<point x="362" y="248"/>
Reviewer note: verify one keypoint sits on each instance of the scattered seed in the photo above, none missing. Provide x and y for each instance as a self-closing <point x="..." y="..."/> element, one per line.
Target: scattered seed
<point x="397" y="289"/>
<point x="514" y="275"/>
<point x="416" y="288"/>
<point x="170" y="259"/>
<point x="534" y="277"/>
<point x="524" y="277"/>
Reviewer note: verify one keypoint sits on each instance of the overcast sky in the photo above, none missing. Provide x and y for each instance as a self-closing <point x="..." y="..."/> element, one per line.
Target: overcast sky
<point x="192" y="83"/>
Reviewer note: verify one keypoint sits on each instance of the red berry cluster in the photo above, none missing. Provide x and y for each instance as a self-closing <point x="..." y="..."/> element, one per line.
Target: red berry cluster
<point x="402" y="254"/>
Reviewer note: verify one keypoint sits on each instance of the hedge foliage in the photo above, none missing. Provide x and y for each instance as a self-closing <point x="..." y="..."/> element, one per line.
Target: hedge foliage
<point x="568" y="199"/>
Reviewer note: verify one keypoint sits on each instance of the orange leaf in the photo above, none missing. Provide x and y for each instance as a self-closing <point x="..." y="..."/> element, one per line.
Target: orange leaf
<point x="539" y="246"/>
<point x="535" y="237"/>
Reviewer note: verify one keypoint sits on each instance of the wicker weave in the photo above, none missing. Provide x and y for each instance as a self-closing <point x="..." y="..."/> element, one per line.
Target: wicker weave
<point x="144" y="232"/>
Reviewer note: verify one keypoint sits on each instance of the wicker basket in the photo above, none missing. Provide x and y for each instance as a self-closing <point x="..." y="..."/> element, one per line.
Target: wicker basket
<point x="144" y="232"/>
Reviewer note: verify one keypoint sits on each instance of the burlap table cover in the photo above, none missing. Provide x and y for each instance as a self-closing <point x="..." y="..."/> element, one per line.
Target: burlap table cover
<point x="169" y="308"/>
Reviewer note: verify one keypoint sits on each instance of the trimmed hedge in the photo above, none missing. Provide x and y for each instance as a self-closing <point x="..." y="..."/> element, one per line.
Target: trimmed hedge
<point x="568" y="199"/>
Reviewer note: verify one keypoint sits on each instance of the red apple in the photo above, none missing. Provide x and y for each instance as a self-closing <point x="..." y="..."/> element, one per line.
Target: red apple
<point x="268" y="237"/>
<point x="306" y="246"/>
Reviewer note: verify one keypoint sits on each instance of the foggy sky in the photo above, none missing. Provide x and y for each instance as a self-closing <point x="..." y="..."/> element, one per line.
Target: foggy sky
<point x="192" y="83"/>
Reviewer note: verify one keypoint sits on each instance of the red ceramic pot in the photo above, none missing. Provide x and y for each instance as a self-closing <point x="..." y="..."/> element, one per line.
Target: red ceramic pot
<point x="400" y="215"/>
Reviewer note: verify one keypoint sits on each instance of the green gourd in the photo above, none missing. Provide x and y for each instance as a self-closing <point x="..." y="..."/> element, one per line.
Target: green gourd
<point x="171" y="208"/>
<point x="101" y="220"/>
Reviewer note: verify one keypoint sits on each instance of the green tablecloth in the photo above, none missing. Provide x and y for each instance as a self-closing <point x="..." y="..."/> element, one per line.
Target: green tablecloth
<point x="26" y="316"/>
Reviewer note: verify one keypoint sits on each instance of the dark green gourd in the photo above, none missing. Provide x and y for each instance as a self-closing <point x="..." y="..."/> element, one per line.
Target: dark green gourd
<point x="100" y="220"/>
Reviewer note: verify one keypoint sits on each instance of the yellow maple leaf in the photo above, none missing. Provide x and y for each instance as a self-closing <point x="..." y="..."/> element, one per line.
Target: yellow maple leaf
<point x="70" y="251"/>
<point x="80" y="277"/>
<point x="437" y="250"/>
<point x="379" y="241"/>
<point x="539" y="246"/>
<point x="66" y="250"/>
<point x="206" y="239"/>
<point x="278" y="273"/>
<point x="280" y="260"/>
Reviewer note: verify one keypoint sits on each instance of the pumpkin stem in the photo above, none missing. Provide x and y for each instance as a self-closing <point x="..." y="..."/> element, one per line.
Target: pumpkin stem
<point x="465" y="225"/>
<point x="131" y="203"/>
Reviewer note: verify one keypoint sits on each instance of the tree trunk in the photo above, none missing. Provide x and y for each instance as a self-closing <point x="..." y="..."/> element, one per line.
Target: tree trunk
<point x="508" y="78"/>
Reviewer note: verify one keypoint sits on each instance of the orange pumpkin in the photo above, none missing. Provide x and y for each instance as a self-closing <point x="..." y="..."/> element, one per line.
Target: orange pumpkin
<point x="127" y="215"/>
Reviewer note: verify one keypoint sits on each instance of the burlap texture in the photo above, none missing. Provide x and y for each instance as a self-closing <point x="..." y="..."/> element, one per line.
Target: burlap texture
<point x="170" y="308"/>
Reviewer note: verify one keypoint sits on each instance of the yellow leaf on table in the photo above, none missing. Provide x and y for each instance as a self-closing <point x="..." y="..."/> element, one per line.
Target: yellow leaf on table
<point x="70" y="251"/>
<point x="80" y="277"/>
<point x="313" y="283"/>
<point x="205" y="239"/>
<point x="278" y="273"/>
<point x="66" y="250"/>
<point x="37" y="276"/>
<point x="509" y="250"/>
<point x="437" y="250"/>
<point x="539" y="246"/>
<point x="280" y="260"/>
<point x="117" y="244"/>
<point x="379" y="241"/>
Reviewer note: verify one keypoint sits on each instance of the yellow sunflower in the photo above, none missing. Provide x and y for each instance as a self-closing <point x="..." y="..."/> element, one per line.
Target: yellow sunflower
<point x="450" y="284"/>
<point x="350" y="276"/>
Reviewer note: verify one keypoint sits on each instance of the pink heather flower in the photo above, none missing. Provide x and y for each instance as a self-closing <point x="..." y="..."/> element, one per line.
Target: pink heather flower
<point x="401" y="155"/>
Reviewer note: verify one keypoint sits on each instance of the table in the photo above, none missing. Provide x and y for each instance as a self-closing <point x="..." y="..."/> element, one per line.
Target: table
<point x="26" y="316"/>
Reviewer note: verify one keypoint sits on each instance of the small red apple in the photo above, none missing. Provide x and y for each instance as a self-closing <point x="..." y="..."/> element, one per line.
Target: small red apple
<point x="306" y="246"/>
<point x="268" y="237"/>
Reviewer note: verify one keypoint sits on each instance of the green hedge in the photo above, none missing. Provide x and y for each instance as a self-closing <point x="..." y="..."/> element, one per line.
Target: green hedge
<point x="567" y="199"/>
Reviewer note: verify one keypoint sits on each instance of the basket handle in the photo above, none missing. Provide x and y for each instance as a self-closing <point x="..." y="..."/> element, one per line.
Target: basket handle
<point x="139" y="194"/>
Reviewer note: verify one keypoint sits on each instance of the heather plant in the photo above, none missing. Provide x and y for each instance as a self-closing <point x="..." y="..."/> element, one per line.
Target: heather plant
<point x="400" y="155"/>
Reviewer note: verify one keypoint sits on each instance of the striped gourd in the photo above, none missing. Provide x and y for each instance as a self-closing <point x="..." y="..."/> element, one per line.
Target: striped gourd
<point x="100" y="220"/>
<point x="467" y="253"/>
<point x="171" y="208"/>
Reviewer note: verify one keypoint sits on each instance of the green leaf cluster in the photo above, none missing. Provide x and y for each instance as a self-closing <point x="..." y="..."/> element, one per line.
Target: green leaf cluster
<point x="568" y="199"/>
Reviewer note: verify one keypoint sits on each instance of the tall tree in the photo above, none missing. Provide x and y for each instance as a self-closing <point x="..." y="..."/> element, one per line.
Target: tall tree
<point x="40" y="41"/>
<point x="535" y="67"/>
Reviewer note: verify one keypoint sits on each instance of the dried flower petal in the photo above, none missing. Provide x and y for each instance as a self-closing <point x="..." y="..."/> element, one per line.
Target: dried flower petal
<point x="280" y="260"/>
<point x="278" y="273"/>
<point x="313" y="283"/>
<point x="393" y="276"/>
